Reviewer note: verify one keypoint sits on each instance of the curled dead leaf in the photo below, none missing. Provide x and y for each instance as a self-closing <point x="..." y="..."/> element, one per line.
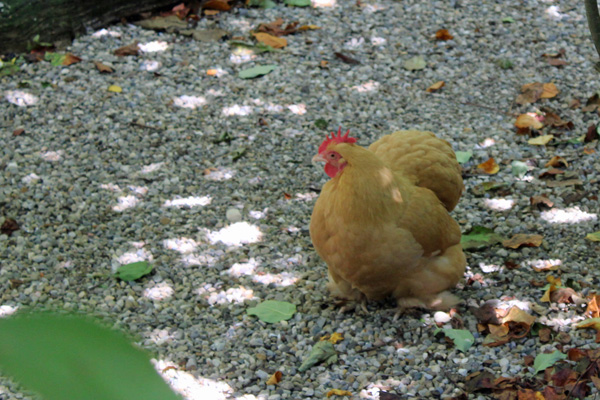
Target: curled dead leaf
<point x="564" y="295"/>
<point x="70" y="59"/>
<point x="270" y="40"/>
<point x="338" y="392"/>
<point x="436" y="86"/>
<point x="489" y="167"/>
<point x="557" y="161"/>
<point x="443" y="35"/>
<point x="541" y="140"/>
<point x="103" y="67"/>
<point x="275" y="378"/>
<point x="221" y="5"/>
<point x="129" y="50"/>
<point x="540" y="202"/>
<point x="521" y="239"/>
<point x="528" y="121"/>
<point x="593" y="306"/>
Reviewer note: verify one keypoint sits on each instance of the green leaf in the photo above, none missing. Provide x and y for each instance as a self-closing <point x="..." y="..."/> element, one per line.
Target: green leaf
<point x="322" y="351"/>
<point x="543" y="361"/>
<point x="594" y="237"/>
<point x="321" y="123"/>
<point x="272" y="311"/>
<point x="508" y="20"/>
<point x="133" y="271"/>
<point x="519" y="168"/>
<point x="8" y="69"/>
<point x="463" y="156"/>
<point x="55" y="59"/>
<point x="67" y="357"/>
<point x="505" y="63"/>
<point x="262" y="3"/>
<point x="238" y="153"/>
<point x="462" y="338"/>
<point x="298" y="3"/>
<point x="254" y="72"/>
<point x="479" y="237"/>
<point x="415" y="63"/>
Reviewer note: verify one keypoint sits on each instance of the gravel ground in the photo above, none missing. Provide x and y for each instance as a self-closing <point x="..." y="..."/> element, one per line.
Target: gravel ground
<point x="210" y="178"/>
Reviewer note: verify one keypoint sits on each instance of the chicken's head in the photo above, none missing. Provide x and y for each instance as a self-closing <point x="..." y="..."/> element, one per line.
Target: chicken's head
<point x="334" y="162"/>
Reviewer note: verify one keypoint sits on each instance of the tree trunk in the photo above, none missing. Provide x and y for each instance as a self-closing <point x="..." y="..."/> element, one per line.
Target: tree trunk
<point x="62" y="20"/>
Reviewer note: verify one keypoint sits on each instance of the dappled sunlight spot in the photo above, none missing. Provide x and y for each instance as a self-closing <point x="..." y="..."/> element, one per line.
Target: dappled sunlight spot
<point x="488" y="142"/>
<point x="190" y="102"/>
<point x="488" y="268"/>
<point x="292" y="229"/>
<point x="241" y="269"/>
<point x="553" y="12"/>
<point x="237" y="110"/>
<point x="231" y="295"/>
<point x="190" y="387"/>
<point x="561" y="323"/>
<point x="508" y="304"/>
<point x="189" y="260"/>
<point x="105" y="32"/>
<point x="218" y="72"/>
<point x="298" y="109"/>
<point x="378" y="41"/>
<point x="242" y="24"/>
<point x="133" y="256"/>
<point x="220" y="174"/>
<point x="306" y="196"/>
<point x="138" y="245"/>
<point x="370" y="86"/>
<point x="146" y="169"/>
<point x="150" y="65"/>
<point x="183" y="245"/>
<point x="52" y="156"/>
<point x="126" y="202"/>
<point x="215" y="93"/>
<point x="355" y="43"/>
<point x="570" y="215"/>
<point x="112" y="187"/>
<point x="158" y="292"/>
<point x="372" y="390"/>
<point x="6" y="310"/>
<point x="153" y="47"/>
<point x="236" y="234"/>
<point x="545" y="265"/>
<point x="31" y="178"/>
<point x="324" y="3"/>
<point x="240" y="55"/>
<point x="139" y="190"/>
<point x="371" y="8"/>
<point x="160" y="336"/>
<point x="193" y="201"/>
<point x="281" y="279"/>
<point x="20" y="98"/>
<point x="499" y="204"/>
<point x="258" y="214"/>
<point x="274" y="108"/>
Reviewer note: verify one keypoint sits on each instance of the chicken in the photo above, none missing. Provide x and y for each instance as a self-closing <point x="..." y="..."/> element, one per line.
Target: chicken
<point x="382" y="224"/>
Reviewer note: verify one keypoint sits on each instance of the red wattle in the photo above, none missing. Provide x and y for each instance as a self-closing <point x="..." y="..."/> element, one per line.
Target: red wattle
<point x="330" y="170"/>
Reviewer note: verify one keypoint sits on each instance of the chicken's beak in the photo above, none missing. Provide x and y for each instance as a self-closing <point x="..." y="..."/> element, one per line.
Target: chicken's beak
<point x="318" y="158"/>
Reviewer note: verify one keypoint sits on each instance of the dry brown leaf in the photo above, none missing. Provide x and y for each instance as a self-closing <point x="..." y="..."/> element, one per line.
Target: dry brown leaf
<point x="552" y="119"/>
<point x="275" y="378"/>
<point x="593" y="306"/>
<point x="545" y="335"/>
<point x="346" y="59"/>
<point x="270" y="40"/>
<point x="592" y="103"/>
<point x="564" y="295"/>
<point x="287" y="196"/>
<point x="211" y="12"/>
<point x="551" y="172"/>
<point x="18" y="132"/>
<point x="338" y="392"/>
<point x="557" y="161"/>
<point x="557" y="62"/>
<point x="443" y="35"/>
<point x="324" y="64"/>
<point x="541" y="140"/>
<point x="489" y="167"/>
<point x="549" y="91"/>
<point x="9" y="226"/>
<point x="436" y="86"/>
<point x="129" y="50"/>
<point x="575" y="103"/>
<point x="588" y="151"/>
<point x="545" y="266"/>
<point x="554" y="284"/>
<point x="309" y="27"/>
<point x="103" y="67"/>
<point x="592" y="134"/>
<point x="566" y="182"/>
<point x="532" y="92"/>
<point x="540" y="201"/>
<point x="521" y="239"/>
<point x="529" y="120"/>
<point x="70" y="59"/>
<point x="275" y="28"/>
<point x="221" y="5"/>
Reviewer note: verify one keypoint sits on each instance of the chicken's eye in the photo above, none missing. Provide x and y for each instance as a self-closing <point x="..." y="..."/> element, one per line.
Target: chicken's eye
<point x="332" y="156"/>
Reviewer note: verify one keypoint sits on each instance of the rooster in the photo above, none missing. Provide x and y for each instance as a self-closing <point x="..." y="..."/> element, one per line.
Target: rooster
<point x="381" y="223"/>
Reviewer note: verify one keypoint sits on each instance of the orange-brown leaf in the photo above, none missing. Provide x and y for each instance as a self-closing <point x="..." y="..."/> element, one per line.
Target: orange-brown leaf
<point x="443" y="35"/>
<point x="275" y="378"/>
<point x="521" y="239"/>
<point x="103" y="67"/>
<point x="557" y="161"/>
<point x="129" y="50"/>
<point x="338" y="392"/>
<point x="528" y="120"/>
<point x="541" y="201"/>
<point x="436" y="86"/>
<point x="489" y="167"/>
<point x="70" y="59"/>
<point x="593" y="306"/>
<point x="221" y="5"/>
<point x="270" y="40"/>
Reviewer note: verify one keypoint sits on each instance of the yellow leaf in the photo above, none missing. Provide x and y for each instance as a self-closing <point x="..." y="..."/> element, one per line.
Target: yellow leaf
<point x="515" y="314"/>
<point x="336" y="337"/>
<point x="338" y="392"/>
<point x="549" y="90"/>
<point x="528" y="121"/>
<point x="489" y="167"/>
<point x="275" y="378"/>
<point x="115" y="89"/>
<point x="308" y="27"/>
<point x="589" y="323"/>
<point x="541" y="140"/>
<point x="539" y="396"/>
<point x="554" y="283"/>
<point x="436" y="86"/>
<point x="594" y="237"/>
<point x="270" y="40"/>
<point x="557" y="161"/>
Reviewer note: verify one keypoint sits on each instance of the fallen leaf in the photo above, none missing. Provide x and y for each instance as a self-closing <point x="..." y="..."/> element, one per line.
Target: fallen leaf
<point x="298" y="3"/>
<point x="346" y="59"/>
<point x="275" y="28"/>
<point x="592" y="134"/>
<point x="566" y="182"/>
<point x="320" y="352"/>
<point x="272" y="311"/>
<point x="221" y="5"/>
<point x="549" y="91"/>
<point x="336" y="337"/>
<point x="588" y="151"/>
<point x="555" y="62"/>
<point x="275" y="378"/>
<point x="593" y="323"/>
<point x="70" y="59"/>
<point x="545" y="335"/>
<point x="18" y="132"/>
<point x="551" y="118"/>
<point x="338" y="392"/>
<point x="486" y="314"/>
<point x="575" y="103"/>
<point x="211" y="12"/>
<point x="309" y="27"/>
<point x="541" y="140"/>
<point x="462" y="338"/>
<point x="169" y="23"/>
<point x="479" y="237"/>
<point x="257" y="71"/>
<point x="489" y="167"/>
<point x="520" y="240"/>
<point x="9" y="226"/>
<point x="532" y="92"/>
<point x="205" y="35"/>
<point x="593" y="306"/>
<point x="554" y="283"/>
<point x="545" y="265"/>
<point x="594" y="237"/>
<point x="551" y="172"/>
<point x="415" y="63"/>
<point x="592" y="103"/>
<point x="545" y="360"/>
<point x="519" y="168"/>
<point x="564" y="295"/>
<point x="443" y="35"/>
<point x="436" y="86"/>
<point x="129" y="50"/>
<point x="557" y="161"/>
<point x="463" y="156"/>
<point x="212" y="72"/>
<point x="133" y="271"/>
<point x="103" y="67"/>
<point x="115" y="89"/>
<point x="270" y="40"/>
<point x="528" y="121"/>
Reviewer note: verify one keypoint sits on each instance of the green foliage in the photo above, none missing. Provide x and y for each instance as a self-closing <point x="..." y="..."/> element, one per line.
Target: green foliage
<point x="262" y="3"/>
<point x="133" y="271"/>
<point x="298" y="3"/>
<point x="257" y="71"/>
<point x="67" y="357"/>
<point x="55" y="59"/>
<point x="462" y="338"/>
<point x="463" y="156"/>
<point x="519" y="168"/>
<point x="545" y="360"/>
<point x="272" y="311"/>
<point x="321" y="123"/>
<point x="322" y="351"/>
<point x="479" y="237"/>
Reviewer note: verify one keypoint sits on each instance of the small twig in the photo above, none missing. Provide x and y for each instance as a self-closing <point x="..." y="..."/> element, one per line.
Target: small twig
<point x="377" y="346"/>
<point x="592" y="363"/>
<point x="135" y="123"/>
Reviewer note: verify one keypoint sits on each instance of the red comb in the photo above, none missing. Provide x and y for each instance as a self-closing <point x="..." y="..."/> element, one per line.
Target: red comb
<point x="337" y="139"/>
